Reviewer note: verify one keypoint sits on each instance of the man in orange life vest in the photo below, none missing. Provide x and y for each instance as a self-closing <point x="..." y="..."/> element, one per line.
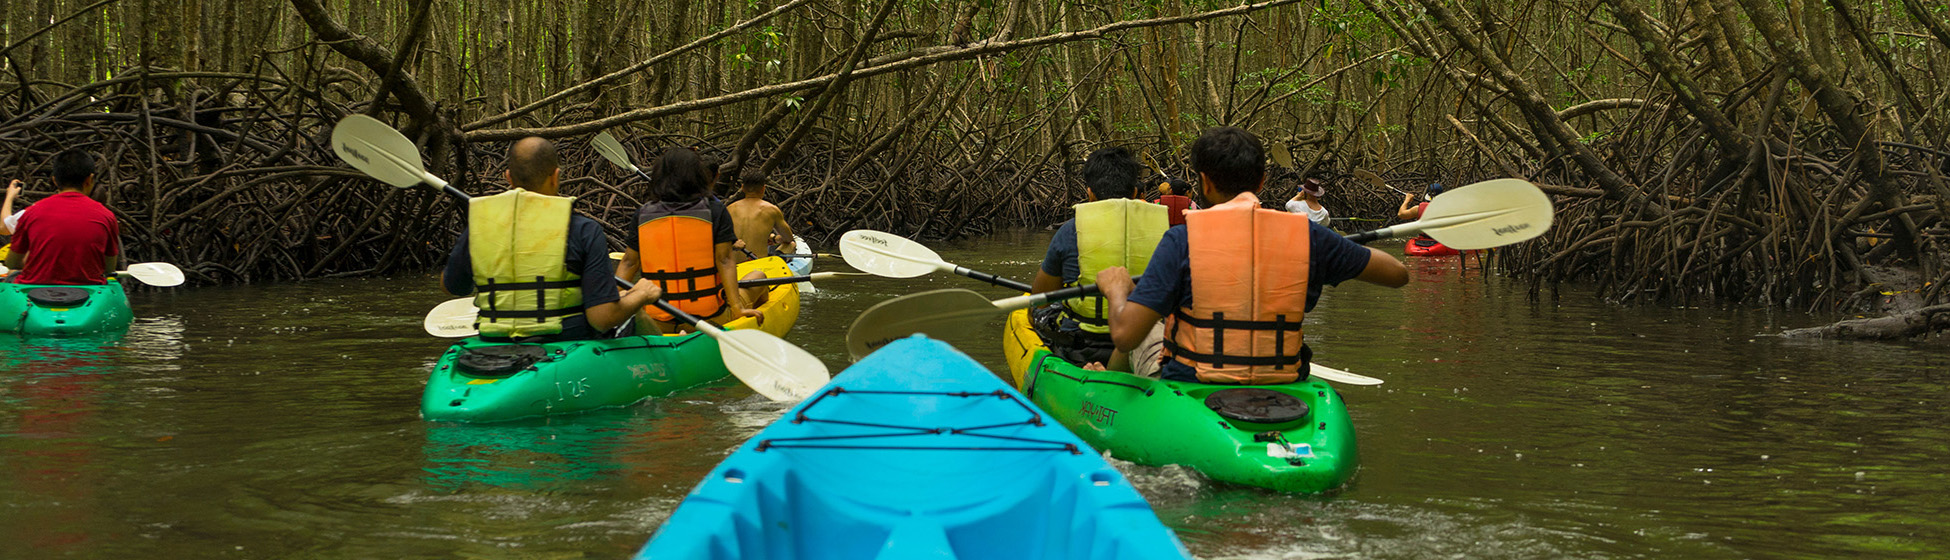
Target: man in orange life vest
<point x="683" y="242"/>
<point x="1235" y="281"/>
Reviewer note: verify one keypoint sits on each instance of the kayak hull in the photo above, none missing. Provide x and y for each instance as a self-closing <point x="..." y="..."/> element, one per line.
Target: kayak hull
<point x="1436" y="250"/>
<point x="105" y="311"/>
<point x="584" y="375"/>
<point x="914" y="452"/>
<point x="1155" y="422"/>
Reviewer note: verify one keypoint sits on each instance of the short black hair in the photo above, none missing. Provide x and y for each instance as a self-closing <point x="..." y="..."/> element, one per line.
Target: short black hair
<point x="1232" y="157"/>
<point x="72" y="167"/>
<point x="680" y="176"/>
<point x="1180" y="187"/>
<point x="1112" y="173"/>
<point x="753" y="178"/>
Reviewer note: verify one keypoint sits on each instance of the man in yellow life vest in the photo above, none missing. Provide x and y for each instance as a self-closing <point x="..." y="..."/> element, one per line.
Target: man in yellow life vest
<point x="542" y="270"/>
<point x="682" y="241"/>
<point x="1235" y="281"/>
<point x="1112" y="229"/>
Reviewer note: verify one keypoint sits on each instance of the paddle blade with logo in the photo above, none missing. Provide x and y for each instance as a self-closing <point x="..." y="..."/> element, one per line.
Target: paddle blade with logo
<point x="453" y="318"/>
<point x="771" y="366"/>
<point x="939" y="314"/>
<point x="613" y="151"/>
<point x="885" y="254"/>
<point x="381" y="152"/>
<point x="1492" y="213"/>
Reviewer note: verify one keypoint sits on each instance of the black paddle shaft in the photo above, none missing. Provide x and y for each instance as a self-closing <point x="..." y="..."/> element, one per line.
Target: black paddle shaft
<point x="992" y="279"/>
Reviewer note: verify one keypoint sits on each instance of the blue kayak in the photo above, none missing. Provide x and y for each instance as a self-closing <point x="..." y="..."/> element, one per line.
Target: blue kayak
<point x="914" y="452"/>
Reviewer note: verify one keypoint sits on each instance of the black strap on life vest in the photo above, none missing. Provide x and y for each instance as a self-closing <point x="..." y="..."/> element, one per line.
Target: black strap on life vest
<point x="541" y="287"/>
<point x="1102" y="319"/>
<point x="1219" y="325"/>
<point x="689" y="277"/>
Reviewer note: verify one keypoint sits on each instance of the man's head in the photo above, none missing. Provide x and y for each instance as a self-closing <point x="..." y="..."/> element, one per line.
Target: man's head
<point x="1229" y="161"/>
<point x="74" y="170"/>
<point x="533" y="166"/>
<point x="1434" y="189"/>
<point x="753" y="183"/>
<point x="680" y="176"/>
<point x="1313" y="187"/>
<point x="1175" y="186"/>
<point x="1112" y="173"/>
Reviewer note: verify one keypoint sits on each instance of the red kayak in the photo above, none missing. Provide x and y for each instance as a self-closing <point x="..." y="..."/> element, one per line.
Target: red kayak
<point x="1426" y="247"/>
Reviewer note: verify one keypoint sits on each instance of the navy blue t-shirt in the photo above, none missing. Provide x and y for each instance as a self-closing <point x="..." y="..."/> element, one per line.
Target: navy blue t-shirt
<point x="1061" y="260"/>
<point x="1335" y="260"/>
<point x="587" y="255"/>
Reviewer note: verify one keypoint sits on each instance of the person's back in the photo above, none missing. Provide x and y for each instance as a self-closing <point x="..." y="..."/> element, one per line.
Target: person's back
<point x="682" y="241"/>
<point x="1113" y="229"/>
<point x="67" y="238"/>
<point x="541" y="270"/>
<point x="1175" y="204"/>
<point x="758" y="223"/>
<point x="1234" y="283"/>
<point x="1307" y="202"/>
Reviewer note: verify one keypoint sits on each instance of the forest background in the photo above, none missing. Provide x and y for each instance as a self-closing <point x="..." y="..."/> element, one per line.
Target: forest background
<point x="1784" y="152"/>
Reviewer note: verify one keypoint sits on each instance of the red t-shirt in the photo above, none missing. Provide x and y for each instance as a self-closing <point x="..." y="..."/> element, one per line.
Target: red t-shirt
<point x="1176" y="204"/>
<point x="66" y="237"/>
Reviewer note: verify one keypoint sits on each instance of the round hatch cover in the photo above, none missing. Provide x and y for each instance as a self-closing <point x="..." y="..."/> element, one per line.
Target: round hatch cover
<point x="1260" y="406"/>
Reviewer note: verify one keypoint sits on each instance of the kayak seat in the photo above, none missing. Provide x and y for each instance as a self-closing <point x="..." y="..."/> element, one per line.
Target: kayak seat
<point x="1421" y="242"/>
<point x="499" y="361"/>
<point x="58" y="296"/>
<point x="1257" y="406"/>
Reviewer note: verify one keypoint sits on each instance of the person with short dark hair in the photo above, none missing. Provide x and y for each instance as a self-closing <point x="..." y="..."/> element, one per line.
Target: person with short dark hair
<point x="1112" y="229"/>
<point x="683" y="242"/>
<point x="1234" y="283"/>
<point x="758" y="223"/>
<point x="66" y="239"/>
<point x="1171" y="194"/>
<point x="541" y="270"/>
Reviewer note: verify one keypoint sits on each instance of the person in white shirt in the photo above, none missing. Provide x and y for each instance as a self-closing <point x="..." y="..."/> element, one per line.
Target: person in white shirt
<point x="1307" y="201"/>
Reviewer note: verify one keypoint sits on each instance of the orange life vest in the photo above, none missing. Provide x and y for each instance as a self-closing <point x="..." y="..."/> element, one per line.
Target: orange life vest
<point x="675" y="244"/>
<point x="1249" y="294"/>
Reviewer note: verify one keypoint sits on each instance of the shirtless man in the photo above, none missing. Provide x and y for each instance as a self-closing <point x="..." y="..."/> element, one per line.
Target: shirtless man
<point x="759" y="224"/>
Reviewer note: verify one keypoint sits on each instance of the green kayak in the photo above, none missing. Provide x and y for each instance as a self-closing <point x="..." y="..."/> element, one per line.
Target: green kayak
<point x="480" y="381"/>
<point x="37" y="310"/>
<point x="1295" y="437"/>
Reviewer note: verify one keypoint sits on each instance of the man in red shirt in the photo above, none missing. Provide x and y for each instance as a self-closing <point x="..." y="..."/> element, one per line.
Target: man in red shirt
<point x="68" y="238"/>
<point x="1175" y="204"/>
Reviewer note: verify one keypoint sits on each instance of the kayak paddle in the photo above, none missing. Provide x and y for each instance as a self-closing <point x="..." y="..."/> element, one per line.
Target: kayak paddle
<point x="946" y="310"/>
<point x="892" y="256"/>
<point x="614" y="152"/>
<point x="1482" y="215"/>
<point x="158" y="274"/>
<point x="1374" y="179"/>
<point x="455" y="318"/>
<point x="769" y="365"/>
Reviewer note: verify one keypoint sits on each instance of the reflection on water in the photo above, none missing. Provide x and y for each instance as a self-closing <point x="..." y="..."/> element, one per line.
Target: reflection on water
<point x="282" y="421"/>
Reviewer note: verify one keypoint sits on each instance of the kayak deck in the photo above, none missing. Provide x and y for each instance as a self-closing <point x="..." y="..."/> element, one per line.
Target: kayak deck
<point x="537" y="379"/>
<point x="1156" y="422"/>
<point x="106" y="310"/>
<point x="914" y="452"/>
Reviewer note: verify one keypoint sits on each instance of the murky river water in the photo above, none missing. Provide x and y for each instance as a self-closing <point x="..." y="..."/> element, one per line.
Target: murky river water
<point x="282" y="421"/>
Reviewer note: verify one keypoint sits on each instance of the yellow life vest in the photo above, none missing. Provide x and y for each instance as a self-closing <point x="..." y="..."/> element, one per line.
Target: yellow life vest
<point x="1249" y="294"/>
<point x="1116" y="232"/>
<point x="517" y="240"/>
